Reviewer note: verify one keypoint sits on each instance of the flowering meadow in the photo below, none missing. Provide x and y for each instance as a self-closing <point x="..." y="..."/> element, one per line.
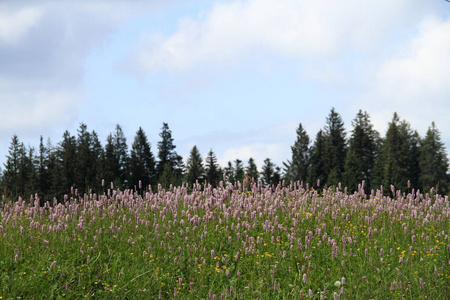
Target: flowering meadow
<point x="231" y="242"/>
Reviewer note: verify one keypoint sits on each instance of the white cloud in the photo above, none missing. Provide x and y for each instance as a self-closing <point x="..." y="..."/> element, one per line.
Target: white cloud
<point x="414" y="82"/>
<point x="15" y="24"/>
<point x="300" y="29"/>
<point x="259" y="152"/>
<point x="35" y="111"/>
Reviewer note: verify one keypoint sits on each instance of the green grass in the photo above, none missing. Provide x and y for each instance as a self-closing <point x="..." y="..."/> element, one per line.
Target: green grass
<point x="133" y="246"/>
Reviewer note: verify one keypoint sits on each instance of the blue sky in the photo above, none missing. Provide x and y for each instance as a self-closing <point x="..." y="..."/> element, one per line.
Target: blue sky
<point x="234" y="76"/>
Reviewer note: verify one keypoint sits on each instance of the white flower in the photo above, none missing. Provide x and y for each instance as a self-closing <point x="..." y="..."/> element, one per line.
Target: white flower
<point x="337" y="283"/>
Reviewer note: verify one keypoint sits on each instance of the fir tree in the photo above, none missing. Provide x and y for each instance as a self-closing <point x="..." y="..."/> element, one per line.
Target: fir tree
<point x="238" y="170"/>
<point x="362" y="152"/>
<point x="97" y="162"/>
<point x="110" y="165"/>
<point x="194" y="169"/>
<point x="212" y="169"/>
<point x="252" y="169"/>
<point x="67" y="150"/>
<point x="121" y="155"/>
<point x="319" y="151"/>
<point x="42" y="169"/>
<point x="270" y="173"/>
<point x="229" y="172"/>
<point x="297" y="168"/>
<point x="397" y="162"/>
<point x="83" y="172"/>
<point x="11" y="174"/>
<point x="335" y="159"/>
<point x="433" y="162"/>
<point x="168" y="156"/>
<point x="142" y="161"/>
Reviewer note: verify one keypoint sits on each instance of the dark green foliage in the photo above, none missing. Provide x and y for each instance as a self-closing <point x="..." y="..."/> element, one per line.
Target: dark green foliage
<point x="252" y="169"/>
<point x="397" y="163"/>
<point x="83" y="166"/>
<point x="270" y="173"/>
<point x="238" y="170"/>
<point x="195" y="171"/>
<point x="401" y="159"/>
<point x="142" y="161"/>
<point x="67" y="150"/>
<point x="20" y="177"/>
<point x="212" y="169"/>
<point x="229" y="172"/>
<point x="116" y="158"/>
<point x="97" y="163"/>
<point x="297" y="168"/>
<point x="319" y="151"/>
<point x="337" y="148"/>
<point x="362" y="152"/>
<point x="168" y="159"/>
<point x="433" y="162"/>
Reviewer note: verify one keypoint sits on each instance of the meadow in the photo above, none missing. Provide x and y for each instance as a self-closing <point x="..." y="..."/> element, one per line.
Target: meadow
<point x="231" y="242"/>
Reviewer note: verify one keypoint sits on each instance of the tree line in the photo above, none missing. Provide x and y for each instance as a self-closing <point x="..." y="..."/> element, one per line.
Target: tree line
<point x="402" y="158"/>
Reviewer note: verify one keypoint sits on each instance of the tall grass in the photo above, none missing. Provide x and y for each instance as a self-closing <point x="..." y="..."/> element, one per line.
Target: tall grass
<point x="230" y="242"/>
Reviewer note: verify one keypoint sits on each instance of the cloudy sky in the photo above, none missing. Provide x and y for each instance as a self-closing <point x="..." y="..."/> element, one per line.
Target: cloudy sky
<point x="234" y="76"/>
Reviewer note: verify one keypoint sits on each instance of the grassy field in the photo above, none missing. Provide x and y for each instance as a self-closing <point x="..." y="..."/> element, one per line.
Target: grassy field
<point x="232" y="242"/>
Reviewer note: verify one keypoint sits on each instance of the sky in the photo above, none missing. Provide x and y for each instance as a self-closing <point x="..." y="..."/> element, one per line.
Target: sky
<point x="237" y="77"/>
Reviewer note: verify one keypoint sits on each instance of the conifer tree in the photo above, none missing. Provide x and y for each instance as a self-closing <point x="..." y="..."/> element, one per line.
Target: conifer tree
<point x="53" y="165"/>
<point x="168" y="156"/>
<point x="194" y="169"/>
<point x="229" y="172"/>
<point x="83" y="172"/>
<point x="212" y="169"/>
<point x="270" y="173"/>
<point x="297" y="168"/>
<point x="252" y="169"/>
<point x="42" y="169"/>
<point x="110" y="163"/>
<point x="121" y="155"/>
<point x="337" y="148"/>
<point x="67" y="150"/>
<point x="319" y="152"/>
<point x="97" y="162"/>
<point x="397" y="162"/>
<point x="362" y="152"/>
<point x="11" y="174"/>
<point x="433" y="162"/>
<point x="238" y="170"/>
<point x="142" y="161"/>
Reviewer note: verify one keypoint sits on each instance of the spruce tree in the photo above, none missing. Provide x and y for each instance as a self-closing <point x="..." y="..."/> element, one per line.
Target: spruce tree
<point x="97" y="163"/>
<point x="67" y="150"/>
<point x="252" y="169"/>
<point x="212" y="169"/>
<point x="297" y="168"/>
<point x="229" y="172"/>
<point x="194" y="169"/>
<point x="53" y="165"/>
<point x="238" y="170"/>
<point x="337" y="148"/>
<point x="11" y="174"/>
<point x="121" y="155"/>
<point x="42" y="169"/>
<point x="433" y="162"/>
<point x="319" y="152"/>
<point x="397" y="162"/>
<point x="110" y="164"/>
<point x="270" y="173"/>
<point x="142" y="161"/>
<point x="362" y="152"/>
<point x="168" y="156"/>
<point x="83" y="172"/>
